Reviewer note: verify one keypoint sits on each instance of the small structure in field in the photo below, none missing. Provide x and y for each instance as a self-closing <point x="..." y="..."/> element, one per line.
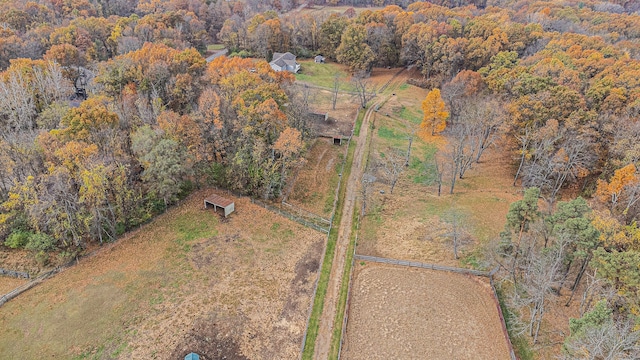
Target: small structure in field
<point x="328" y="127"/>
<point x="218" y="202"/>
<point x="319" y="59"/>
<point x="284" y="62"/>
<point x="192" y="356"/>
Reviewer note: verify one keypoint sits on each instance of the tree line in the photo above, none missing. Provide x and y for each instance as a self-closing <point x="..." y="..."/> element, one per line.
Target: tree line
<point x="159" y="122"/>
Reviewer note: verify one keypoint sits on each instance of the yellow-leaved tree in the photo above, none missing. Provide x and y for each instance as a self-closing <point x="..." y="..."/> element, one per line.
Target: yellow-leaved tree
<point x="435" y="114"/>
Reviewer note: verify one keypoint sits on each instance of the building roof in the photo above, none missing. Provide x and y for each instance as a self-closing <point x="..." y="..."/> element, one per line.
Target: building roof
<point x="218" y="200"/>
<point x="192" y="356"/>
<point x="284" y="56"/>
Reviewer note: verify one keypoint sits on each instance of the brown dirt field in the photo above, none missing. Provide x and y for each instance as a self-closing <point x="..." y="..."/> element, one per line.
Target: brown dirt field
<point x="8" y="283"/>
<point x="406" y="313"/>
<point x="314" y="187"/>
<point x="188" y="281"/>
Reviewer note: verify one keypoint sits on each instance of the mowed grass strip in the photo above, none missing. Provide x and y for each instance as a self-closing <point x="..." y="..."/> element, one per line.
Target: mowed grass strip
<point x="336" y="337"/>
<point x="361" y="113"/>
<point x="323" y="282"/>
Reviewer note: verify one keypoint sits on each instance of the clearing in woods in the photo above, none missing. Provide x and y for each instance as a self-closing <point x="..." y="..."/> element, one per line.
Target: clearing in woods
<point x="238" y="289"/>
<point x="405" y="313"/>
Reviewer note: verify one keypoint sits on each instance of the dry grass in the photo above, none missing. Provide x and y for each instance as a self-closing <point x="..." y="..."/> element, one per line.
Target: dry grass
<point x="18" y="260"/>
<point x="314" y="187"/>
<point x="405" y="313"/>
<point x="239" y="288"/>
<point x="408" y="224"/>
<point x="8" y="283"/>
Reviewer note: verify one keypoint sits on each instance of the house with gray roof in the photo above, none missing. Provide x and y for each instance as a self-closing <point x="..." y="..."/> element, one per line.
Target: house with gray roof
<point x="284" y="62"/>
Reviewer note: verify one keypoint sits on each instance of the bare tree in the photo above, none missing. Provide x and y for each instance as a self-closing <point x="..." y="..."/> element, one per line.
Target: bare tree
<point x="541" y="273"/>
<point x="552" y="167"/>
<point x="457" y="233"/>
<point x="611" y="340"/>
<point x="367" y="184"/>
<point x="335" y="90"/>
<point x="366" y="91"/>
<point x="392" y="165"/>
<point x="459" y="151"/>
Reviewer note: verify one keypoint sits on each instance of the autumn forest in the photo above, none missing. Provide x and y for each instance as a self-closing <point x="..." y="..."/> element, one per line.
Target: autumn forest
<point x="556" y="84"/>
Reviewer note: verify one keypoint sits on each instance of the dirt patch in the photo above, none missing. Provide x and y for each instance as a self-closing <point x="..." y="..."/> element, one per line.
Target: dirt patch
<point x="405" y="313"/>
<point x="212" y="339"/>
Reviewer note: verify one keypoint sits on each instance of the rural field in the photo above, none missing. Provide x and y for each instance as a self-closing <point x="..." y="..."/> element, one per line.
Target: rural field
<point x="404" y="313"/>
<point x="314" y="186"/>
<point x="409" y="224"/>
<point x="188" y="281"/>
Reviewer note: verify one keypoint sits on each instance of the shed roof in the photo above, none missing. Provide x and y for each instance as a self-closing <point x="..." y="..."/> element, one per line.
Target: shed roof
<point x="218" y="200"/>
<point x="192" y="356"/>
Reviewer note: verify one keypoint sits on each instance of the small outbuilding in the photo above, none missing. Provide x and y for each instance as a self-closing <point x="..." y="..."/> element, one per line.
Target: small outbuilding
<point x="218" y="202"/>
<point x="192" y="356"/>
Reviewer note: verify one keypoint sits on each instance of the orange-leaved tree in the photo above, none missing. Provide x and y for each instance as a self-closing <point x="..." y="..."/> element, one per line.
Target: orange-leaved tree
<point x="289" y="145"/>
<point x="621" y="189"/>
<point x="435" y="114"/>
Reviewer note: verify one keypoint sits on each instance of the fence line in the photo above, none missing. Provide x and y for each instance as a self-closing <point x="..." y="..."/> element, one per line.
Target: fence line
<point x="345" y="318"/>
<point x="422" y="265"/>
<point x="15" y="274"/>
<point x="290" y="216"/>
<point x="306" y="213"/>
<point x="22" y="288"/>
<point x="333" y="214"/>
<point x="503" y="323"/>
<point x="384" y="87"/>
<point x="488" y="274"/>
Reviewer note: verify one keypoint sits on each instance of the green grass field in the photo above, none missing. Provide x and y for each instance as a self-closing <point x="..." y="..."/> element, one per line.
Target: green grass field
<point x="323" y="75"/>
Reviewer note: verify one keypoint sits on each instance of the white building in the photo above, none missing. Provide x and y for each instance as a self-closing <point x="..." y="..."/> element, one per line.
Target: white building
<point x="284" y="62"/>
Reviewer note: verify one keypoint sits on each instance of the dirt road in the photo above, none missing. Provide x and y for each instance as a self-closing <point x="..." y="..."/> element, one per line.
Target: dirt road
<point x="323" y="342"/>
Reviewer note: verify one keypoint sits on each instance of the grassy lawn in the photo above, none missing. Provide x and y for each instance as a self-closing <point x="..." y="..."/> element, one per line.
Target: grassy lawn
<point x="214" y="47"/>
<point x="323" y="74"/>
<point x="161" y="288"/>
<point x="361" y="113"/>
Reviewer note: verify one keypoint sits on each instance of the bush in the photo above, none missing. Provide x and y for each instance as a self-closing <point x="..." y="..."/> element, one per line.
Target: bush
<point x="42" y="258"/>
<point x="17" y="239"/>
<point x="40" y="243"/>
<point x="66" y="256"/>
